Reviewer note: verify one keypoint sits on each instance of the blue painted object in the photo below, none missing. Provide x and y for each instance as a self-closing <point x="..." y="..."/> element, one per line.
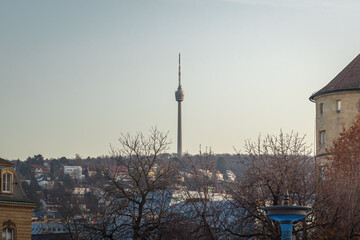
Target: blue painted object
<point x="286" y="215"/>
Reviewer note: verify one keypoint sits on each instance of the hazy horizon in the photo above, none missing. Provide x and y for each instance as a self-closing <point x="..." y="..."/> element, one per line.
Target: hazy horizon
<point x="77" y="74"/>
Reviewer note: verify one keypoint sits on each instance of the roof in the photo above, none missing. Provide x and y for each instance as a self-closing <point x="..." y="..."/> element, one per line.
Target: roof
<point x="347" y="80"/>
<point x="36" y="166"/>
<point x="18" y="196"/>
<point x="6" y="163"/>
<point x="48" y="227"/>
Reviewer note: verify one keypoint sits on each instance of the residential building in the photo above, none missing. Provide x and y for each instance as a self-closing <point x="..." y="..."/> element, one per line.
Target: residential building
<point x="74" y="172"/>
<point x="15" y="207"/>
<point x="45" y="182"/>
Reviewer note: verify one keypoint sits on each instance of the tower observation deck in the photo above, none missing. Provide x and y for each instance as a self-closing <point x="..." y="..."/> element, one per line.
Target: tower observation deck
<point x="179" y="96"/>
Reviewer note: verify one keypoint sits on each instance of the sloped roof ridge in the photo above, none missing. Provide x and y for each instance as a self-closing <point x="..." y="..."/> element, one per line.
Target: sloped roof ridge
<point x="5" y="162"/>
<point x="347" y="69"/>
<point x="346" y="80"/>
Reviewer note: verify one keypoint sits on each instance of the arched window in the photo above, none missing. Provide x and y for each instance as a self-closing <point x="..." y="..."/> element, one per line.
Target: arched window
<point x="7" y="182"/>
<point x="8" y="234"/>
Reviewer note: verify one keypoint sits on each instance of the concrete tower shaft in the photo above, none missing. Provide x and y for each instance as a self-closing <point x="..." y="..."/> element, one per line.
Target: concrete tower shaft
<point x="179" y="96"/>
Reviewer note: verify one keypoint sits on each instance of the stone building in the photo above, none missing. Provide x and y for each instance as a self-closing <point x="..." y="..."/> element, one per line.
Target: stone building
<point x="337" y="104"/>
<point x="15" y="208"/>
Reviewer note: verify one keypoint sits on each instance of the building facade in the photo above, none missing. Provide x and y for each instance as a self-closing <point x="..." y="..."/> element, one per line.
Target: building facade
<point x="15" y="207"/>
<point x="74" y="172"/>
<point x="337" y="105"/>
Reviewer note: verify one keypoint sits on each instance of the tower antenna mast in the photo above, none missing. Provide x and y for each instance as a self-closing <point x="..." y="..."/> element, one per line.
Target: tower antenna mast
<point x="179" y="96"/>
<point x="179" y="71"/>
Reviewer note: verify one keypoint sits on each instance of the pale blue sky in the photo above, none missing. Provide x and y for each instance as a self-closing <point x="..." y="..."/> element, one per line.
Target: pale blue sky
<point x="76" y="74"/>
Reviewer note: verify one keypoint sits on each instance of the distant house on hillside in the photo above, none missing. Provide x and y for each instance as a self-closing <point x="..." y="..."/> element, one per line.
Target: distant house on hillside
<point x="230" y="175"/>
<point x="45" y="182"/>
<point x="74" y="172"/>
<point x="219" y="176"/>
<point x="15" y="207"/>
<point x="38" y="170"/>
<point x="120" y="173"/>
<point x="91" y="173"/>
<point x="80" y="191"/>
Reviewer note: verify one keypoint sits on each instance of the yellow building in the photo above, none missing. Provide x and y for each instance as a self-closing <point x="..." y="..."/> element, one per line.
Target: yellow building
<point x="337" y="104"/>
<point x="15" y="208"/>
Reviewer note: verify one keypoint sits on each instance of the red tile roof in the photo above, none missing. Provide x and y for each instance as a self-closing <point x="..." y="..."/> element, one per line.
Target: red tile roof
<point x="347" y="80"/>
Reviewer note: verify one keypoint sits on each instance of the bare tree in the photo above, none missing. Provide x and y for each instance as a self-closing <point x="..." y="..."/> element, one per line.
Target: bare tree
<point x="70" y="208"/>
<point x="200" y="191"/>
<point x="135" y="201"/>
<point x="201" y="203"/>
<point x="272" y="165"/>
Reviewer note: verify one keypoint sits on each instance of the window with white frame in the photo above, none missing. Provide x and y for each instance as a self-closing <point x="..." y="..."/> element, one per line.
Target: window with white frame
<point x="7" y="182"/>
<point x="8" y="234"/>
<point x="338" y="106"/>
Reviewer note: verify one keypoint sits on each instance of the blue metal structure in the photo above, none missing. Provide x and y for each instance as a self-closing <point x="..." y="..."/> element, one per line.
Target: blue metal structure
<point x="286" y="215"/>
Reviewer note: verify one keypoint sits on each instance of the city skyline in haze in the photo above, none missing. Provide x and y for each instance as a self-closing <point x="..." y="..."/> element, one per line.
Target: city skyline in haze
<point x="74" y="75"/>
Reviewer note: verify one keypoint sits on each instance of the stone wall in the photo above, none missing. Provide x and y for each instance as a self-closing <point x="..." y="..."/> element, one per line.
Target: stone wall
<point x="20" y="216"/>
<point x="332" y="121"/>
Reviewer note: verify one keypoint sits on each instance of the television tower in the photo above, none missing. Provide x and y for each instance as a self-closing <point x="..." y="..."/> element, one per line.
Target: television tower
<point x="179" y="96"/>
